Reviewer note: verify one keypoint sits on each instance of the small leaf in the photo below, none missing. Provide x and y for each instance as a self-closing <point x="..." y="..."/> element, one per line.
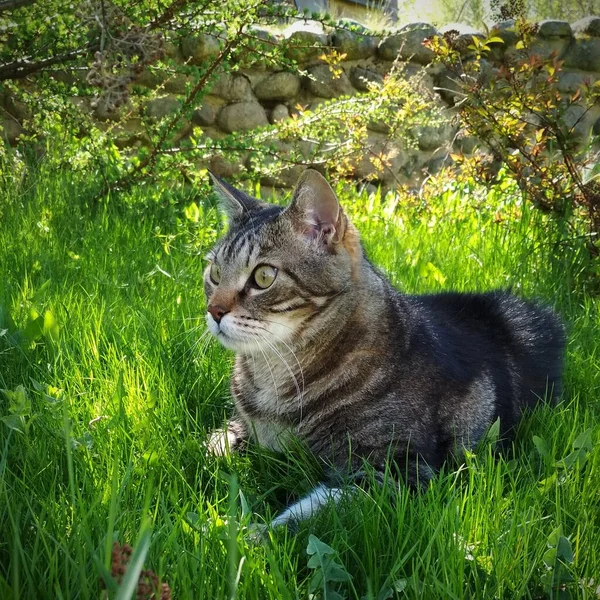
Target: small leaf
<point x="564" y="551"/>
<point x="584" y="440"/>
<point x="555" y="536"/>
<point x="549" y="557"/>
<point x="15" y="422"/>
<point x="542" y="447"/>
<point x="19" y="402"/>
<point x="34" y="329"/>
<point x="493" y="433"/>
<point x="316" y="546"/>
<point x="51" y="328"/>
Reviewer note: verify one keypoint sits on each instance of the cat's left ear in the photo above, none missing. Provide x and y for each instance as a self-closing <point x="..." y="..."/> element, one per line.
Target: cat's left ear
<point x="235" y="203"/>
<point x="315" y="210"/>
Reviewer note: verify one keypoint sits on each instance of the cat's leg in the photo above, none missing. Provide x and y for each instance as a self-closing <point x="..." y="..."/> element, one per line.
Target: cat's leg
<point x="230" y="438"/>
<point x="306" y="507"/>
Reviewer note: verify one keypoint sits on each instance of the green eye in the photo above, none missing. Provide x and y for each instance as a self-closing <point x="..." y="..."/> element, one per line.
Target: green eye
<point x="215" y="273"/>
<point x="264" y="276"/>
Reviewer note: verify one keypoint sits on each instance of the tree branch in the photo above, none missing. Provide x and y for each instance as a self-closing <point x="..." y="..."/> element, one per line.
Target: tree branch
<point x="21" y="68"/>
<point x="6" y="5"/>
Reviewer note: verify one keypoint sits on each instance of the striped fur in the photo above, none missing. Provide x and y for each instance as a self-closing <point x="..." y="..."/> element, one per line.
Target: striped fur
<point x="332" y="353"/>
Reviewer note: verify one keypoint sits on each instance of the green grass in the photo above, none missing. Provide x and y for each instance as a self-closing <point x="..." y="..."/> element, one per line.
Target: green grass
<point x="101" y="323"/>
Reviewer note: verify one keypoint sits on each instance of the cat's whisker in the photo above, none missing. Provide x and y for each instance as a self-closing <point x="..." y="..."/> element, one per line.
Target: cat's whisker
<point x="287" y="366"/>
<point x="275" y="388"/>
<point x="291" y="351"/>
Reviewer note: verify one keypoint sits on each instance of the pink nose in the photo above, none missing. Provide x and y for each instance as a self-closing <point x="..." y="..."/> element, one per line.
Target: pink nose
<point x="217" y="312"/>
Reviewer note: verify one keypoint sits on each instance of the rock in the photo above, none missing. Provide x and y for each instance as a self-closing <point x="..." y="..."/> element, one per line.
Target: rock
<point x="286" y="178"/>
<point x="150" y="78"/>
<point x="129" y="133"/>
<point x="171" y="50"/>
<point x="465" y="143"/>
<point x="325" y="84"/>
<point x="354" y="45"/>
<point x="11" y="131"/>
<point x="460" y="29"/>
<point x="263" y="34"/>
<point x="546" y="48"/>
<point x="391" y="154"/>
<point x="162" y="107"/>
<point x="569" y="82"/>
<point x="278" y="86"/>
<point x="587" y="26"/>
<point x="436" y="163"/>
<point x="83" y="103"/>
<point x="279" y="113"/>
<point x="432" y="137"/>
<point x="596" y="127"/>
<point x="107" y="112"/>
<point x="14" y="107"/>
<point x="450" y="88"/>
<point x="198" y="48"/>
<point x="305" y="41"/>
<point x="583" y="54"/>
<point x="233" y="88"/>
<point x="260" y="41"/>
<point x="177" y="84"/>
<point x="463" y="36"/>
<point x="506" y="30"/>
<point x="361" y="78"/>
<point x="407" y="42"/>
<point x="554" y="29"/>
<point x="242" y="116"/>
<point x="574" y="116"/>
<point x="206" y="114"/>
<point x="222" y="167"/>
<point x="378" y="126"/>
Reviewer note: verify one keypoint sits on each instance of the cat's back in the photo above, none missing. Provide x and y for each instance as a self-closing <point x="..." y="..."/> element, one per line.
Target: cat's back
<point x="469" y="332"/>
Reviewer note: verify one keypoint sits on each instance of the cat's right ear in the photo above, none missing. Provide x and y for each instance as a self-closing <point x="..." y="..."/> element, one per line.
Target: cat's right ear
<point x="234" y="203"/>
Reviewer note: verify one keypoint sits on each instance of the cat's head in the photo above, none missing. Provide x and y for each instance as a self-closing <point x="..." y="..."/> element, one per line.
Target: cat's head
<point x="271" y="279"/>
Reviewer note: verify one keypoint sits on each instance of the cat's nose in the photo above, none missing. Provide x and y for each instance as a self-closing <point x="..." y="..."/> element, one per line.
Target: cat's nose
<point x="217" y="312"/>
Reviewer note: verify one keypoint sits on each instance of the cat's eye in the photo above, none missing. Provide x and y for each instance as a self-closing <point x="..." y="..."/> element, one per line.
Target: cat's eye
<point x="215" y="273"/>
<point x="264" y="276"/>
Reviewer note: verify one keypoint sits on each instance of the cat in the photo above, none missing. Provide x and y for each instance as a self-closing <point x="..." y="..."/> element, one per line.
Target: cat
<point x="329" y="352"/>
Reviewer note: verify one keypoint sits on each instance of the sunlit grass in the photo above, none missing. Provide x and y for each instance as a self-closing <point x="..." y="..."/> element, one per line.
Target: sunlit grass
<point x="101" y="323"/>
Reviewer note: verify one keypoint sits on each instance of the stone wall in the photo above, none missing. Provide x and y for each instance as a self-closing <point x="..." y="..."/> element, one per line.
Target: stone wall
<point x="254" y="97"/>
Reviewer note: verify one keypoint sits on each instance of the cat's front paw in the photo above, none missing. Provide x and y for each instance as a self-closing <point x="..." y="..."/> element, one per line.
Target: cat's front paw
<point x="223" y="441"/>
<point x="220" y="442"/>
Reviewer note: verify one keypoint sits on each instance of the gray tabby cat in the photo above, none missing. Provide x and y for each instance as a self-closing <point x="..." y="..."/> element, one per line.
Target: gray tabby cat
<point x="327" y="350"/>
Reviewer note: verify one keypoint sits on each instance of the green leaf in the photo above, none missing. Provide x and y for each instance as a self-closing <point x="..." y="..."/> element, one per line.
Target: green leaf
<point x="555" y="536"/>
<point x="19" y="402"/>
<point x="51" y="328"/>
<point x="492" y="435"/>
<point x="15" y="422"/>
<point x="584" y="440"/>
<point x="542" y="448"/>
<point x="34" y="329"/>
<point x="316" y="546"/>
<point x="564" y="551"/>
<point x="192" y="212"/>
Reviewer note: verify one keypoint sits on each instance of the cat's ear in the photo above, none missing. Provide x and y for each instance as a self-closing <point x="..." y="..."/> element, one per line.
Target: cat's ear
<point x="315" y="210"/>
<point x="234" y="203"/>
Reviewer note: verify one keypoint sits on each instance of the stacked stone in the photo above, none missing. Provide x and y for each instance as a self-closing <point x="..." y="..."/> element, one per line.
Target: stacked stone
<point x="253" y="97"/>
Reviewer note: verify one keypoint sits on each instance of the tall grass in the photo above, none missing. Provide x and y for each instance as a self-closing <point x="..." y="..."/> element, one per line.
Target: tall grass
<point x="111" y="389"/>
